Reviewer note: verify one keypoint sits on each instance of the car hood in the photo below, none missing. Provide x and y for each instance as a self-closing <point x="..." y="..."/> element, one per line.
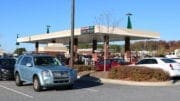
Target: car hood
<point x="54" y="68"/>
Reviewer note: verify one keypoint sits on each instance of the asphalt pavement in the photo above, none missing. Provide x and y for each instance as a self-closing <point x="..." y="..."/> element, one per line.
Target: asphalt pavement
<point x="90" y="91"/>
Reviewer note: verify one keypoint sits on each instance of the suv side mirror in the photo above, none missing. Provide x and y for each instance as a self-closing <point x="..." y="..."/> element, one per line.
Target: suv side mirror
<point x="29" y="65"/>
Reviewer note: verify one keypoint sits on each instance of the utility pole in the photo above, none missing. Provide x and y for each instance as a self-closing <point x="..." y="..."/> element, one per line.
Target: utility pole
<point x="72" y="32"/>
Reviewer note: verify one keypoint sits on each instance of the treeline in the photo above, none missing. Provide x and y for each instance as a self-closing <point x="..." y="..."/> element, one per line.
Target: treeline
<point x="162" y="47"/>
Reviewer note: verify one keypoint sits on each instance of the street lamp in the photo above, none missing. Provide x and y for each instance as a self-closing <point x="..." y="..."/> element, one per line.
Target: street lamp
<point x="72" y="32"/>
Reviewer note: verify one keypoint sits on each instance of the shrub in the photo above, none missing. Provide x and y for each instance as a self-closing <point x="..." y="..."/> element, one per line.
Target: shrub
<point x="81" y="68"/>
<point x="136" y="73"/>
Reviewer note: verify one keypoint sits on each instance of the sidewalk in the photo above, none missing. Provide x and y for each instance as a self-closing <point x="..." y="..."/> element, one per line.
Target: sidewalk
<point x="97" y="77"/>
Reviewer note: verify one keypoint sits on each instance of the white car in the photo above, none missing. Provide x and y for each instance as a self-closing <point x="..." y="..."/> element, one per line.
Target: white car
<point x="166" y="64"/>
<point x="176" y="59"/>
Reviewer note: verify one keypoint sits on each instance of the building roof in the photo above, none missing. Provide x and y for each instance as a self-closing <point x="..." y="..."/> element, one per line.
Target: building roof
<point x="115" y="34"/>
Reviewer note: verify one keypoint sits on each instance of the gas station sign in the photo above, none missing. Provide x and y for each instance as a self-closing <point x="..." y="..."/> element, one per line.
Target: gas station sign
<point x="87" y="30"/>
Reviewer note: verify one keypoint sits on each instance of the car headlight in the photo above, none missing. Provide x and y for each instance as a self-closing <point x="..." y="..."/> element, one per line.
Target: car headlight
<point x="46" y="74"/>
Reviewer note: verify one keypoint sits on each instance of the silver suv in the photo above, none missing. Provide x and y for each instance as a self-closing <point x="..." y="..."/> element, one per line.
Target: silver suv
<point x="43" y="71"/>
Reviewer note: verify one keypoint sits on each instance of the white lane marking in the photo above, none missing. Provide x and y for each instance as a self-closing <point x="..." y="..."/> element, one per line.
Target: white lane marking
<point x="15" y="91"/>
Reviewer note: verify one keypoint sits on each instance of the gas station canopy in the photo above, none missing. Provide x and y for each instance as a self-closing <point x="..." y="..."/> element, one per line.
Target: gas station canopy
<point x="87" y="34"/>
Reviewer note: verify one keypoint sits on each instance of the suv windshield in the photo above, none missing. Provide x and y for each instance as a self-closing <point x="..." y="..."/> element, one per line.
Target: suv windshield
<point x="46" y="61"/>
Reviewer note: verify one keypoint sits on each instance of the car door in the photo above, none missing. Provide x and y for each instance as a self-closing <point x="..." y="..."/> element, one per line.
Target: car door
<point x="22" y="67"/>
<point x="29" y="69"/>
<point x="26" y="70"/>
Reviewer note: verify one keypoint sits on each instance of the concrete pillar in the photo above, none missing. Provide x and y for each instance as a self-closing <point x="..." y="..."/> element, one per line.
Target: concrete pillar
<point x="127" y="55"/>
<point x="94" y="47"/>
<point x="37" y="47"/>
<point x="106" y="47"/>
<point x="106" y="50"/>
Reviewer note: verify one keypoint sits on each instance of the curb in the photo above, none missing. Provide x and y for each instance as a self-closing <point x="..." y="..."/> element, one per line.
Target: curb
<point x="135" y="83"/>
<point x="123" y="82"/>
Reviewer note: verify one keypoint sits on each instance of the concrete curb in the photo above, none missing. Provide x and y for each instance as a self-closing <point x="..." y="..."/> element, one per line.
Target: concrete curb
<point x="135" y="83"/>
<point x="132" y="83"/>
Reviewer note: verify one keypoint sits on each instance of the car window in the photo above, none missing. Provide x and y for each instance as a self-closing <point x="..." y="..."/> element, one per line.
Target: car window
<point x="168" y="61"/>
<point x="118" y="60"/>
<point x="148" y="61"/>
<point x="107" y="62"/>
<point x="26" y="60"/>
<point x="46" y="61"/>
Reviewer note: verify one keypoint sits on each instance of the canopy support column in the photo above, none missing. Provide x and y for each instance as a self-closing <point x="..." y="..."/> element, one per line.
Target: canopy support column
<point x="106" y="50"/>
<point x="127" y="55"/>
<point x="94" y="47"/>
<point x="37" y="47"/>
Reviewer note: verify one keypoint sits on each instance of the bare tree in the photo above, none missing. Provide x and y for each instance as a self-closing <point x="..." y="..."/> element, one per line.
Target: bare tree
<point x="107" y="20"/>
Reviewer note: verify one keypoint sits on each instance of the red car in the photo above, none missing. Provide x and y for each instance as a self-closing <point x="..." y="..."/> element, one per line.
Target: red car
<point x="109" y="64"/>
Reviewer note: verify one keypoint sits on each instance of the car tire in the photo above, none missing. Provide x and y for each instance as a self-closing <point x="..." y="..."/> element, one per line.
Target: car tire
<point x="18" y="80"/>
<point x="36" y="84"/>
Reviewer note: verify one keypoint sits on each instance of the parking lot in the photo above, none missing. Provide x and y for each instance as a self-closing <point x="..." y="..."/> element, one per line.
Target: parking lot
<point x="89" y="91"/>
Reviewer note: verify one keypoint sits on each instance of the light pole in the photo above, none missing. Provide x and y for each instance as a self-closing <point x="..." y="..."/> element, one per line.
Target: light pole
<point x="72" y="32"/>
<point x="17" y="44"/>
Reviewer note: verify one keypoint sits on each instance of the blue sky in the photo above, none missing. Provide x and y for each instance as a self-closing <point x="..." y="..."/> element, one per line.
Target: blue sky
<point x="30" y="17"/>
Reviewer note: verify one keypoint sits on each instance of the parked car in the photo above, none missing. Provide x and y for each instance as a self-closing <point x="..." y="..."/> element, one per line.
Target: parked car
<point x="43" y="71"/>
<point x="166" y="64"/>
<point x="176" y="59"/>
<point x="120" y="61"/>
<point x="109" y="64"/>
<point x="7" y="68"/>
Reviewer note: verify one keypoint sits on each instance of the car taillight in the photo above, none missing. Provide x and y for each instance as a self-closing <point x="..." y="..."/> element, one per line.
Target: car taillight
<point x="170" y="65"/>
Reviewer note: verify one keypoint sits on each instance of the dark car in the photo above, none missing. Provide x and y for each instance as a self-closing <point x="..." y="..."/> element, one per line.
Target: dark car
<point x="7" y="68"/>
<point x="109" y="64"/>
<point x="120" y="61"/>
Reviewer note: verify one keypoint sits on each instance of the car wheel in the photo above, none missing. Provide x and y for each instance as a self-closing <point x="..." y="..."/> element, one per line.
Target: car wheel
<point x="18" y="80"/>
<point x="36" y="84"/>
